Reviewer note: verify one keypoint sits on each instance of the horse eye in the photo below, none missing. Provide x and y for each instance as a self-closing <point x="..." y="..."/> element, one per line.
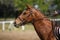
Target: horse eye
<point x="24" y="14"/>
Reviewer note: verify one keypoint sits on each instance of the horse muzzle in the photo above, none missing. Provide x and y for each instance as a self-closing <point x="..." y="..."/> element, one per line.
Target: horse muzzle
<point x="16" y="25"/>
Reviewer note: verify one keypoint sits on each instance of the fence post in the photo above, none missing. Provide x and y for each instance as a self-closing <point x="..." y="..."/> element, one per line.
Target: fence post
<point x="23" y="27"/>
<point x="10" y="26"/>
<point x="3" y="26"/>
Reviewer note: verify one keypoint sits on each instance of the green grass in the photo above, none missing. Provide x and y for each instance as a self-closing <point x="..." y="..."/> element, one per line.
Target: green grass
<point x="29" y="27"/>
<point x="7" y="19"/>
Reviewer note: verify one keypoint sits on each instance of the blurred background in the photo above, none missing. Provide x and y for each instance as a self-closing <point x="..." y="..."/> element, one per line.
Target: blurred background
<point x="10" y="9"/>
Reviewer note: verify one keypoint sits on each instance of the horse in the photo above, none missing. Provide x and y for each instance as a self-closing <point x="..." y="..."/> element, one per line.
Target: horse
<point x="43" y="26"/>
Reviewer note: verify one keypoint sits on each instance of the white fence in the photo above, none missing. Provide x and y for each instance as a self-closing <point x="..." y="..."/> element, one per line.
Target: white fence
<point x="55" y="19"/>
<point x="3" y="24"/>
<point x="11" y="22"/>
<point x="10" y="25"/>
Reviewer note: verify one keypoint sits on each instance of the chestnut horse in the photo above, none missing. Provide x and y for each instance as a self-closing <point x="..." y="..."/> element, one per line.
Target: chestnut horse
<point x="42" y="24"/>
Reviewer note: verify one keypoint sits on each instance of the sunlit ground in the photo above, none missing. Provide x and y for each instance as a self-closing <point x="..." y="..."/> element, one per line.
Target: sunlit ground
<point x="18" y="34"/>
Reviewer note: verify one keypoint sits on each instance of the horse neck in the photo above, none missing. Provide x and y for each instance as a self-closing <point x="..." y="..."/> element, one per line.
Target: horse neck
<point x="42" y="26"/>
<point x="41" y="19"/>
<point x="39" y="15"/>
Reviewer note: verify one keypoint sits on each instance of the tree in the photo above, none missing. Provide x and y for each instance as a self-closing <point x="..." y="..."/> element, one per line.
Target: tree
<point x="57" y="2"/>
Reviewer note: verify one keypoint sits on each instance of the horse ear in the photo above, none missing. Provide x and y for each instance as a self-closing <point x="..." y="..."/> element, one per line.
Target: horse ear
<point x="28" y="6"/>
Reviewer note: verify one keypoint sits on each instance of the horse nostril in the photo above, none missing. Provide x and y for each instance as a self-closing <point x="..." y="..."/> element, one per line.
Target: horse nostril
<point x="14" y="25"/>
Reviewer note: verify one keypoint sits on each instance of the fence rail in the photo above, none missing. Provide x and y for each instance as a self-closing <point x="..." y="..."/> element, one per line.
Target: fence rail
<point x="10" y="25"/>
<point x="55" y="19"/>
<point x="3" y="24"/>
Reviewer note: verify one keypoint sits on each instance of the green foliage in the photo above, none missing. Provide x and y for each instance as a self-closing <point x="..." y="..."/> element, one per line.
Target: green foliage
<point x="57" y="2"/>
<point x="20" y="4"/>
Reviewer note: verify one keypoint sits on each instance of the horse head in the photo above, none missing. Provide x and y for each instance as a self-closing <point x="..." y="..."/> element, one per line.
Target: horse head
<point x="28" y="15"/>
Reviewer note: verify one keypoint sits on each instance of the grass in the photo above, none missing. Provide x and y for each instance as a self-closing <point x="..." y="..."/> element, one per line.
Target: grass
<point x="3" y="19"/>
<point x="29" y="27"/>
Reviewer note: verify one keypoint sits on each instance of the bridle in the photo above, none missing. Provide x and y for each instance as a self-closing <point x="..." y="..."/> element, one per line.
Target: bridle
<point x="23" y="21"/>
